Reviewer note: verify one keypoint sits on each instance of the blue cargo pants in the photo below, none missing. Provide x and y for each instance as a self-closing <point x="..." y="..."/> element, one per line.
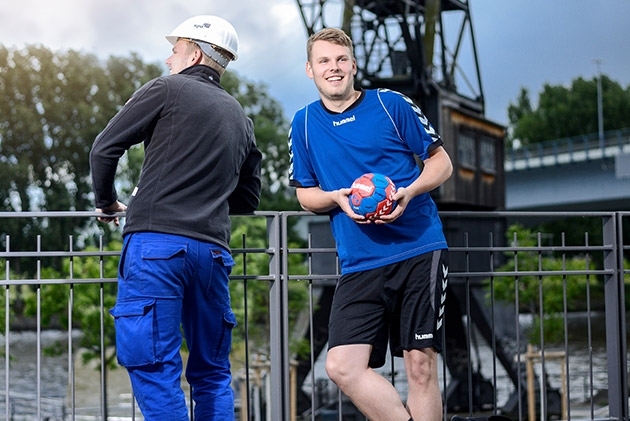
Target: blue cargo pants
<point x="164" y="282"/>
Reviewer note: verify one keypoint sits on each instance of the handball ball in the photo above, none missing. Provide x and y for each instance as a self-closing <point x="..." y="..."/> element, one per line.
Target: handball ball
<point x="372" y="195"/>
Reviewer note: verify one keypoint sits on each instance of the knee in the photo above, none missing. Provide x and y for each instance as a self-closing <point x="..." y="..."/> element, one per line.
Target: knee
<point x="422" y="370"/>
<point x="337" y="371"/>
<point x="333" y="368"/>
<point x="419" y="375"/>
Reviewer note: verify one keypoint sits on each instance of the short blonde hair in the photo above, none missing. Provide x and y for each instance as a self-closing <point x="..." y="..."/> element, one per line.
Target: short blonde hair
<point x="206" y="59"/>
<point x="333" y="35"/>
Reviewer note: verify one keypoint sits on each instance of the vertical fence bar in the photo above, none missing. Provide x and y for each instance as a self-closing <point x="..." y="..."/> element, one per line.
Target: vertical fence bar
<point x="280" y="397"/>
<point x="615" y="318"/>
<point x="102" y="332"/>
<point x="70" y="324"/>
<point x="311" y="324"/>
<point x="279" y="318"/>
<point x="589" y="332"/>
<point x="541" y="314"/>
<point x="7" y="309"/>
<point x="491" y="266"/>
<point x="469" y="327"/>
<point x="566" y="399"/>
<point x="245" y="400"/>
<point x="39" y="329"/>
<point x="623" y="346"/>
<point x="517" y="328"/>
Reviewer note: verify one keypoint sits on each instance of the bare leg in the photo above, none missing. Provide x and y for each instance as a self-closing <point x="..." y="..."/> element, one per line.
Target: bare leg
<point x="373" y="395"/>
<point x="425" y="400"/>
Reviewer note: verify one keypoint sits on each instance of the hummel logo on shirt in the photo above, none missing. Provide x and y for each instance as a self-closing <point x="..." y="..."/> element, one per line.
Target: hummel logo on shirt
<point x="344" y="121"/>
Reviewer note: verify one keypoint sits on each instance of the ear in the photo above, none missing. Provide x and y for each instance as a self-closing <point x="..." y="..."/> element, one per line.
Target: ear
<point x="309" y="70"/>
<point x="196" y="56"/>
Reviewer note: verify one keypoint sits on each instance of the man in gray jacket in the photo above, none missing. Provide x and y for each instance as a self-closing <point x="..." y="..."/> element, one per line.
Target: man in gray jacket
<point x="201" y="164"/>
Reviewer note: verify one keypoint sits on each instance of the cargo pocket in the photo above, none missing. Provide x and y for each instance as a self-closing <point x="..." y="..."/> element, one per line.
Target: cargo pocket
<point x="224" y="343"/>
<point x="134" y="321"/>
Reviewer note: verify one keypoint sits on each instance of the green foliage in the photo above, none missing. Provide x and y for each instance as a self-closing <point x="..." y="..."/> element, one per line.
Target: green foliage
<point x="271" y="130"/>
<point x="253" y="318"/>
<point x="52" y="106"/>
<point x="564" y="112"/>
<point x="80" y="301"/>
<point x="544" y="295"/>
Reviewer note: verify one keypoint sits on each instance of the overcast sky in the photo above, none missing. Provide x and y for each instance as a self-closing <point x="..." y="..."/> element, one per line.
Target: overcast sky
<point x="520" y="43"/>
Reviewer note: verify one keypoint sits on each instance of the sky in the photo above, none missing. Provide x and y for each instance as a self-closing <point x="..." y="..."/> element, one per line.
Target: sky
<point x="520" y="43"/>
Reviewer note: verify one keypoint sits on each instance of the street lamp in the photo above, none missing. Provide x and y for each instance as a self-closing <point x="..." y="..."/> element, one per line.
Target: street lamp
<point x="600" y="110"/>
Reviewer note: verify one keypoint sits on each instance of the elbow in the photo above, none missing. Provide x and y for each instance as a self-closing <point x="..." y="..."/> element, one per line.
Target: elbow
<point x="310" y="206"/>
<point x="449" y="170"/>
<point x="447" y="165"/>
<point x="305" y="207"/>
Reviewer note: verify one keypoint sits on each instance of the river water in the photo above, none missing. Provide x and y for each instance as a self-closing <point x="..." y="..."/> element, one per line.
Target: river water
<point x="50" y="387"/>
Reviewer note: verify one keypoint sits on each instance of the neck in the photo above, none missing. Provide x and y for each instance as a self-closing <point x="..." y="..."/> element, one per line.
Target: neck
<point x="340" y="105"/>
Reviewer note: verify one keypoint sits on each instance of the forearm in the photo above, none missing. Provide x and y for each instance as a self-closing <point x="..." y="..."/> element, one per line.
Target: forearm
<point x="314" y="199"/>
<point x="437" y="169"/>
<point x="103" y="174"/>
<point x="246" y="197"/>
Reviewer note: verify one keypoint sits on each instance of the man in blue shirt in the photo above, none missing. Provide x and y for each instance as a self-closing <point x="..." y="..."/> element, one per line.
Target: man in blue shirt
<point x="393" y="268"/>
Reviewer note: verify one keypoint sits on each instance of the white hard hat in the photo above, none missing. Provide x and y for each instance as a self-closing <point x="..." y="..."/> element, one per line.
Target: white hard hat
<point x="208" y="31"/>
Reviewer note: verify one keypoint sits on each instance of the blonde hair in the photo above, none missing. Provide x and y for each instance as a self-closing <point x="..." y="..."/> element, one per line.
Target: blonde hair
<point x="332" y="35"/>
<point x="206" y="59"/>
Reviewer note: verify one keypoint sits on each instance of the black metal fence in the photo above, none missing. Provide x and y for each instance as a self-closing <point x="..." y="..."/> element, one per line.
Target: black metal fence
<point x="535" y="326"/>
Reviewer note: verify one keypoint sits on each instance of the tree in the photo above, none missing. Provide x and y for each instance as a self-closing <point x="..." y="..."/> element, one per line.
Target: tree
<point x="52" y="106"/>
<point x="253" y="296"/>
<point x="86" y="301"/>
<point x="271" y="128"/>
<point x="565" y="112"/>
<point x="568" y="111"/>
<point x="544" y="296"/>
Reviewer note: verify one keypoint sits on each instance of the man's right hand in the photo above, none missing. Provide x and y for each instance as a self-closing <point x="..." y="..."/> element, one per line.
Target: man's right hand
<point x="115" y="207"/>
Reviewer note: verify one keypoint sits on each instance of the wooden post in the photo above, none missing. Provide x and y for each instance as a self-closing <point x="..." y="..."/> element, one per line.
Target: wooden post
<point x="293" y="379"/>
<point x="531" y="397"/>
<point x="244" y="402"/>
<point x="532" y="357"/>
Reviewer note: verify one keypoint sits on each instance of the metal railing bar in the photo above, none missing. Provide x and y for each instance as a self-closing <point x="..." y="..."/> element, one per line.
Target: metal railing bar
<point x="279" y="278"/>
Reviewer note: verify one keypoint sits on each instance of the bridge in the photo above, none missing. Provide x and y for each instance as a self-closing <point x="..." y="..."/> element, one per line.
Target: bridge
<point x="586" y="173"/>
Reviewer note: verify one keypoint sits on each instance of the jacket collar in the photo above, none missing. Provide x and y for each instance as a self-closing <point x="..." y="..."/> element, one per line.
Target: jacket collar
<point x="203" y="71"/>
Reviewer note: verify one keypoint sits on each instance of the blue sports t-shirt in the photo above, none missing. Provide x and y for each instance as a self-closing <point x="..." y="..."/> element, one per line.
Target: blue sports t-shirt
<point x="379" y="134"/>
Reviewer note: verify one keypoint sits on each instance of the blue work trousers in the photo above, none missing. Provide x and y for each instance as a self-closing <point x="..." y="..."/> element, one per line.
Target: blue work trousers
<point x="166" y="282"/>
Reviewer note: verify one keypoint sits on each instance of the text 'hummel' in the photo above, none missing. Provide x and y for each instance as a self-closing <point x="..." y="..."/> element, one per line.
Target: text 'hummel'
<point x="344" y="121"/>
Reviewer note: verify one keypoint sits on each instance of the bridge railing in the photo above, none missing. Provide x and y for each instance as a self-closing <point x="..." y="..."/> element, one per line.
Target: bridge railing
<point x="569" y="150"/>
<point x="535" y="325"/>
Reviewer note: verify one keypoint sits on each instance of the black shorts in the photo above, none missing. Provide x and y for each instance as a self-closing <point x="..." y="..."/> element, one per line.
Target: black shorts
<point x="402" y="303"/>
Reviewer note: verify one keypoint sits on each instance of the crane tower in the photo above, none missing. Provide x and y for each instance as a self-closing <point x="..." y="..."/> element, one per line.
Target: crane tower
<point x="426" y="50"/>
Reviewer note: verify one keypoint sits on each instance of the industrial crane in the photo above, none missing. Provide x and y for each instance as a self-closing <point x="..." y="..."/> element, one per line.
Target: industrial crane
<point x="395" y="45"/>
<point x="426" y="50"/>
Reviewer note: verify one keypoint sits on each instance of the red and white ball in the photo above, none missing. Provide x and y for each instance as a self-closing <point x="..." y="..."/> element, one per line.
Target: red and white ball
<point x="372" y="195"/>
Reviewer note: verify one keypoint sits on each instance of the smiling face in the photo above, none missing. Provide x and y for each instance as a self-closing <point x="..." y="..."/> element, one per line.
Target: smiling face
<point x="332" y="68"/>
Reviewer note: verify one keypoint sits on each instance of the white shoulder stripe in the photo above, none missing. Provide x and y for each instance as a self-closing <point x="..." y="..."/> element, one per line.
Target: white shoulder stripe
<point x="380" y="100"/>
<point x="426" y="124"/>
<point x="305" y="127"/>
